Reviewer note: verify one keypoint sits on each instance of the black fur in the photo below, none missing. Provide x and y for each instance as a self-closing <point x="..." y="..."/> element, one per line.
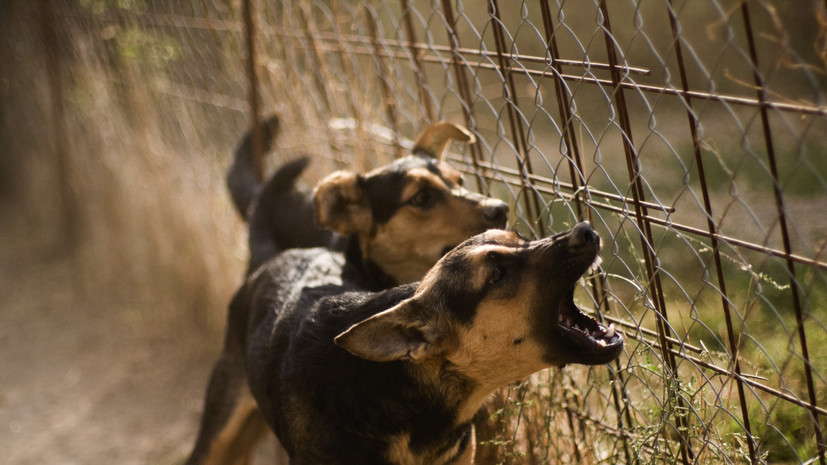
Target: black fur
<point x="282" y="218"/>
<point x="353" y="406"/>
<point x="242" y="180"/>
<point x="385" y="190"/>
<point x="330" y="406"/>
<point x="281" y="215"/>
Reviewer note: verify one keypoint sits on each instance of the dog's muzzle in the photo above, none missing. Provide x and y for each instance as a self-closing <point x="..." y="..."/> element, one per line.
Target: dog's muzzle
<point x="588" y="341"/>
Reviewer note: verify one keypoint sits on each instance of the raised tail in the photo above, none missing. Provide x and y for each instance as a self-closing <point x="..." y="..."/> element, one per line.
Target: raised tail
<point x="243" y="181"/>
<point x="282" y="217"/>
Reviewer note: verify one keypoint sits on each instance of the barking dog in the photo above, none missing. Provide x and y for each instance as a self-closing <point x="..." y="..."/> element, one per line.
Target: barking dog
<point x="390" y="226"/>
<point x="345" y="376"/>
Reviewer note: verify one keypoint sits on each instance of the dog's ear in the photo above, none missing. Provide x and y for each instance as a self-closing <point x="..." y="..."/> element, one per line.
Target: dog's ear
<point x="403" y="332"/>
<point x="341" y="205"/>
<point x="435" y="139"/>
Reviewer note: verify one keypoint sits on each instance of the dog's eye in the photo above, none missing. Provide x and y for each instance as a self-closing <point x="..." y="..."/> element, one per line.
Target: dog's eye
<point x="421" y="198"/>
<point x="497" y="274"/>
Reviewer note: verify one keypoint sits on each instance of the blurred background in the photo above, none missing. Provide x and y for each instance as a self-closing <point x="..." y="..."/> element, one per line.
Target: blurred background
<point x="690" y="133"/>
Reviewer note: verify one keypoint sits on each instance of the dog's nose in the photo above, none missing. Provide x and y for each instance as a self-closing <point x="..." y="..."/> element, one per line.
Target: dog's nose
<point x="496" y="212"/>
<point x="582" y="234"/>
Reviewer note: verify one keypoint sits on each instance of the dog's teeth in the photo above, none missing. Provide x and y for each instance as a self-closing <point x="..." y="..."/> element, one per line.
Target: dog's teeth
<point x="601" y="342"/>
<point x="611" y="331"/>
<point x="595" y="265"/>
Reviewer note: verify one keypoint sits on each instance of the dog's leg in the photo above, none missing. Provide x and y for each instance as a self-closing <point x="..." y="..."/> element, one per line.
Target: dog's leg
<point x="468" y="456"/>
<point x="235" y="443"/>
<point x="280" y="455"/>
<point x="231" y="424"/>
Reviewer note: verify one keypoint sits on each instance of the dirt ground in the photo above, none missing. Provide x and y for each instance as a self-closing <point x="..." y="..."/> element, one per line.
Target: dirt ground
<point x="83" y="379"/>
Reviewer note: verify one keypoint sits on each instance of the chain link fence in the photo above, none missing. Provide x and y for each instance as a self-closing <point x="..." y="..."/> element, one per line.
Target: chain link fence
<point x="691" y="134"/>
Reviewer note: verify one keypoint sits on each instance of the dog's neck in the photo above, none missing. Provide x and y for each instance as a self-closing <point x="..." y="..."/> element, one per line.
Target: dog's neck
<point x="371" y="276"/>
<point x="459" y="396"/>
<point x="462" y="395"/>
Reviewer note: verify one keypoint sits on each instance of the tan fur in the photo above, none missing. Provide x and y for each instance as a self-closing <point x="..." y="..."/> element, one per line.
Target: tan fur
<point x="403" y="247"/>
<point x="413" y="240"/>
<point x="340" y="204"/>
<point x="435" y="139"/>
<point x="399" y="452"/>
<point x="490" y="356"/>
<point x="496" y="350"/>
<point x="467" y="457"/>
<point x="233" y="446"/>
<point x="494" y="310"/>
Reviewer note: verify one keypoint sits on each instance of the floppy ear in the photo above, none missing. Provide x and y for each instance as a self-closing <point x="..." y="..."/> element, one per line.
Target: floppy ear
<point x="435" y="139"/>
<point x="340" y="204"/>
<point x="399" y="333"/>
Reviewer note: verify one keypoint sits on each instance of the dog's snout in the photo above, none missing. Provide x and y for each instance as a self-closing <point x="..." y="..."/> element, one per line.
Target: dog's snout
<point x="496" y="212"/>
<point x="582" y="234"/>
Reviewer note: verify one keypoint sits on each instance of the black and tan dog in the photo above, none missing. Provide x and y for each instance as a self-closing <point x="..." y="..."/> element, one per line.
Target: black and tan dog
<point x="403" y="216"/>
<point x="345" y="376"/>
<point x="390" y="225"/>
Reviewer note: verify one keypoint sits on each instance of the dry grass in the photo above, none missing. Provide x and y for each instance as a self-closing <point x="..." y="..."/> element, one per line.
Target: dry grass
<point x="153" y="109"/>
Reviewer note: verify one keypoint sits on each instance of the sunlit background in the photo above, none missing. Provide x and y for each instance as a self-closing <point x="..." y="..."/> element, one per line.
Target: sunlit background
<point x="690" y="133"/>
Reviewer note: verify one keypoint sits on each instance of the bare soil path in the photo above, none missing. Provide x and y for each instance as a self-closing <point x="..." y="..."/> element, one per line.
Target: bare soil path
<point x="83" y="379"/>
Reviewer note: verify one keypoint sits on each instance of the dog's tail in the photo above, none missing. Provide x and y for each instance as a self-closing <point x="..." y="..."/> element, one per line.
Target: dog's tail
<point x="283" y="180"/>
<point x="282" y="217"/>
<point x="242" y="180"/>
<point x="279" y="214"/>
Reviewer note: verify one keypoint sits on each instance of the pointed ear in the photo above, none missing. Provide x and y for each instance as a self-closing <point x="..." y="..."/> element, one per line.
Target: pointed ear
<point x="435" y="139"/>
<point x="400" y="333"/>
<point x="340" y="204"/>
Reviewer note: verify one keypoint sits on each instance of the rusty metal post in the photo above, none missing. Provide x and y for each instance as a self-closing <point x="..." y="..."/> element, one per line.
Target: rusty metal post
<point x="419" y="73"/>
<point x="252" y="87"/>
<point x="785" y="235"/>
<point x="518" y="136"/>
<point x="713" y="230"/>
<point x="463" y="87"/>
<point x="646" y="238"/>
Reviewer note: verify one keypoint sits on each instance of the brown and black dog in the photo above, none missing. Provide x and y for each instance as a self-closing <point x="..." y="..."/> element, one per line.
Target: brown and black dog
<point x="390" y="225"/>
<point x="402" y="216"/>
<point x="346" y="376"/>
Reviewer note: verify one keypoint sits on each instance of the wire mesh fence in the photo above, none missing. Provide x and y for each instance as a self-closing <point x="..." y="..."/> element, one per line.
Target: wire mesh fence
<point x="691" y="134"/>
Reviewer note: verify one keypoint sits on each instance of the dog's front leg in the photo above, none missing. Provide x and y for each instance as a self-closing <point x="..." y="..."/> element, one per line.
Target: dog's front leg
<point x="231" y="423"/>
<point x="467" y="455"/>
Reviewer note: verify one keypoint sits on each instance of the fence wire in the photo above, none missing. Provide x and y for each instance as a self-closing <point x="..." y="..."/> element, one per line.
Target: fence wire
<point x="691" y="134"/>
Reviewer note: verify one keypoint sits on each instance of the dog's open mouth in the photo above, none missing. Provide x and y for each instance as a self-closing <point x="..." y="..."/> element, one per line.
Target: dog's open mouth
<point x="584" y="331"/>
